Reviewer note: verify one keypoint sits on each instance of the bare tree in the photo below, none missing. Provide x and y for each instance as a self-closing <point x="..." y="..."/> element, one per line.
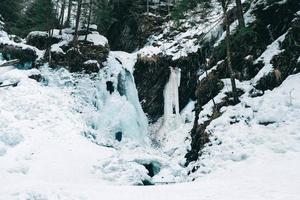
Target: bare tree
<point x="228" y="50"/>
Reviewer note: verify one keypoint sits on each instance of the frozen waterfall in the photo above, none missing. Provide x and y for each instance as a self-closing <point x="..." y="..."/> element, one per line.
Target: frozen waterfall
<point x="171" y="98"/>
<point x="121" y="117"/>
<point x="126" y="79"/>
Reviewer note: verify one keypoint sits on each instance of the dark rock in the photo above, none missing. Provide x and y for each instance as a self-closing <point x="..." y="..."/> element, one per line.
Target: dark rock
<point x="37" y="77"/>
<point x="151" y="75"/>
<point x="91" y="67"/>
<point x="147" y="182"/>
<point x="76" y="59"/>
<point x="132" y="26"/>
<point x="118" y="136"/>
<point x="24" y="55"/>
<point x="110" y="87"/>
<point x="41" y="41"/>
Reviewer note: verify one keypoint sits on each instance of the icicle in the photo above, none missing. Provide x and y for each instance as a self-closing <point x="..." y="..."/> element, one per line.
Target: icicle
<point x="171" y="97"/>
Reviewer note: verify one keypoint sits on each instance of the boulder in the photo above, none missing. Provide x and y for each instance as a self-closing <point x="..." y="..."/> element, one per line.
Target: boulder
<point x="41" y="39"/>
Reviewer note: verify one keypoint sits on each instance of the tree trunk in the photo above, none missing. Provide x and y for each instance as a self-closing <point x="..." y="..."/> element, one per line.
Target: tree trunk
<point x="240" y="14"/>
<point x="147" y="7"/>
<point x="89" y="19"/>
<point x="228" y="51"/>
<point x="69" y="14"/>
<point x="62" y="16"/>
<point x="77" y="21"/>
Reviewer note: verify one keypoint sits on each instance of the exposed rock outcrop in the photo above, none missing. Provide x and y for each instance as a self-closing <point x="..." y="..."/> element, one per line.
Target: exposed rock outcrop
<point x="41" y="40"/>
<point x="151" y="75"/>
<point x="133" y="25"/>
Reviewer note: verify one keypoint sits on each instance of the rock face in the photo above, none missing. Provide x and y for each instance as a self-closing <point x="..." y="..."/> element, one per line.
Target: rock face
<point x="87" y="57"/>
<point x="132" y="33"/>
<point x="133" y="26"/>
<point x="26" y="55"/>
<point x="151" y="75"/>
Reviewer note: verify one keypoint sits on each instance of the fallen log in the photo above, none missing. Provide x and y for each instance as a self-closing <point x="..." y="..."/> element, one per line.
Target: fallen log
<point x="10" y="62"/>
<point x="8" y="85"/>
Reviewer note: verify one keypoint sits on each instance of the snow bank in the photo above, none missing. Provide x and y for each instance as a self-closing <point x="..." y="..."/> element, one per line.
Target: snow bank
<point x="254" y="130"/>
<point x="95" y="38"/>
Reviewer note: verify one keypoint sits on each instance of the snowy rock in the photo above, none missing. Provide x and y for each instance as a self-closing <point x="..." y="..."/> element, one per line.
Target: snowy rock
<point x="95" y="38"/>
<point x="41" y="39"/>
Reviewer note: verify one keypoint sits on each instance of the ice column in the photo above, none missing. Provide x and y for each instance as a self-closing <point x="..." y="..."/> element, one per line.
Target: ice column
<point x="171" y="98"/>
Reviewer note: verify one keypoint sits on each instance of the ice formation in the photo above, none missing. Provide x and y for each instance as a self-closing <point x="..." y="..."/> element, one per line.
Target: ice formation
<point x="120" y="111"/>
<point x="171" y="98"/>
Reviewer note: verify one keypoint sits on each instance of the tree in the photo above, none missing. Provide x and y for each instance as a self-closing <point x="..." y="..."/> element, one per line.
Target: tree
<point x="70" y="4"/>
<point x="240" y="14"/>
<point x="78" y="14"/>
<point x="89" y="19"/>
<point x="62" y="15"/>
<point x="104" y="14"/>
<point x="10" y="11"/>
<point x="40" y="16"/>
<point x="228" y="49"/>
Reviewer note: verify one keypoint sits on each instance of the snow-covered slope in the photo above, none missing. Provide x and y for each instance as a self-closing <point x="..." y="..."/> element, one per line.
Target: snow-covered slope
<point x="45" y="156"/>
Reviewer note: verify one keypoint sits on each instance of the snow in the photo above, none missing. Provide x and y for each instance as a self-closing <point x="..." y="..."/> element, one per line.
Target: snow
<point x="57" y="47"/>
<point x="37" y="33"/>
<point x="41" y="133"/>
<point x="5" y="40"/>
<point x="95" y="38"/>
<point x="128" y="60"/>
<point x="266" y="57"/>
<point x="252" y="180"/>
<point x="93" y="27"/>
<point x="184" y="42"/>
<point x="255" y="130"/>
<point x="44" y="155"/>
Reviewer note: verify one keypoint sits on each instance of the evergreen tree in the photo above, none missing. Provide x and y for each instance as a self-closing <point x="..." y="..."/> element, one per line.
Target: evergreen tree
<point x="10" y="11"/>
<point x="104" y="15"/>
<point x="40" y="16"/>
<point x="181" y="6"/>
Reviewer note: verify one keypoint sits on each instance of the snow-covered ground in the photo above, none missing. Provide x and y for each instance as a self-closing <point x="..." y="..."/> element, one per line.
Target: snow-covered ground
<point x="44" y="154"/>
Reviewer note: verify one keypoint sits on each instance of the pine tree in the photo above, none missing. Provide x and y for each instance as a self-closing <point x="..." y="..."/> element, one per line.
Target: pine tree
<point x="104" y="15"/>
<point x="10" y="11"/>
<point x="40" y="16"/>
